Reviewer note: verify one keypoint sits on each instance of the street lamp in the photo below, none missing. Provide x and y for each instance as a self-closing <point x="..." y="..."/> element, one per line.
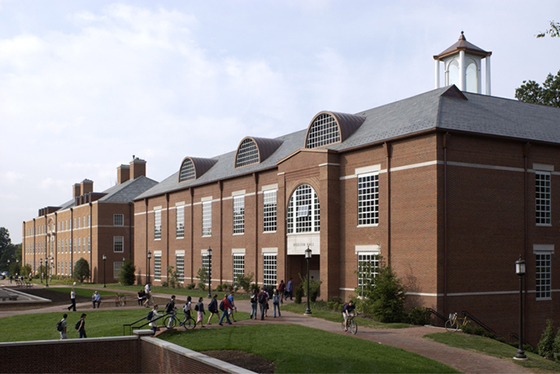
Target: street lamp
<point x="209" y="251"/>
<point x="520" y="271"/>
<point x="46" y="271"/>
<point x="41" y="268"/>
<point x="104" y="258"/>
<point x="149" y="258"/>
<point x="308" y="258"/>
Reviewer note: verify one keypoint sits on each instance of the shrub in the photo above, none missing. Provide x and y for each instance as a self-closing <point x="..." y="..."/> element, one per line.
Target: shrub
<point x="127" y="273"/>
<point x="335" y="304"/>
<point x="244" y="281"/>
<point x="298" y="293"/>
<point x="314" y="287"/>
<point x="546" y="342"/>
<point x="190" y="286"/>
<point x="81" y="270"/>
<point x="172" y="277"/>
<point x="417" y="316"/>
<point x="387" y="296"/>
<point x="556" y="346"/>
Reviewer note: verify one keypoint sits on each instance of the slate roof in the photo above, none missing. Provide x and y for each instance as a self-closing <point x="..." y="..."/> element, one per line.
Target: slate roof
<point x="444" y="108"/>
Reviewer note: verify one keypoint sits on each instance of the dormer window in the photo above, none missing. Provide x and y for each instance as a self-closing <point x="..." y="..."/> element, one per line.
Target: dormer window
<point x="193" y="168"/>
<point x="247" y="153"/>
<point x="187" y="171"/>
<point x="323" y="131"/>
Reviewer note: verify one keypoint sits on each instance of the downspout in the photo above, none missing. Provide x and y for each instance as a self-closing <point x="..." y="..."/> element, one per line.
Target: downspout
<point x="256" y="179"/>
<point x="167" y="236"/>
<point x="90" y="244"/>
<point x="55" y="253"/>
<point x="130" y="227"/>
<point x="445" y="223"/>
<point x="72" y="241"/>
<point x="220" y="233"/>
<point x="146" y="245"/>
<point x="387" y="147"/>
<point x="526" y="151"/>
<point x="192" y="235"/>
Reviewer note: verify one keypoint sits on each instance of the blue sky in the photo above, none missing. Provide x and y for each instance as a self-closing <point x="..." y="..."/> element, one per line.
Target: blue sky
<point x="84" y="85"/>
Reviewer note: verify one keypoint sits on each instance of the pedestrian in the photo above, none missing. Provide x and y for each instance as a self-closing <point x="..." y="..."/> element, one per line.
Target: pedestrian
<point x="152" y="317"/>
<point x="281" y="288"/>
<point x="262" y="299"/>
<point x="63" y="324"/>
<point x="199" y="307"/>
<point x="276" y="303"/>
<point x="224" y="308"/>
<point x="72" y="300"/>
<point x="254" y="303"/>
<point x="170" y="309"/>
<point x="81" y="326"/>
<point x="266" y="306"/>
<point x="93" y="299"/>
<point x="289" y="289"/>
<point x="97" y="299"/>
<point x="213" y="308"/>
<point x="187" y="308"/>
<point x="141" y="297"/>
<point x="233" y="307"/>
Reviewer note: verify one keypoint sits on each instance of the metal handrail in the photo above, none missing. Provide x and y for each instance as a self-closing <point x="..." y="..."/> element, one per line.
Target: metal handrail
<point x="131" y="325"/>
<point x="478" y="322"/>
<point x="430" y="311"/>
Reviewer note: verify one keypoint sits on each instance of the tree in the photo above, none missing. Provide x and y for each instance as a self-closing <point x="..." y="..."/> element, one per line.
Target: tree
<point x="81" y="270"/>
<point x="7" y="249"/>
<point x="547" y="94"/>
<point x="554" y="31"/>
<point x="127" y="273"/>
<point x="546" y="343"/>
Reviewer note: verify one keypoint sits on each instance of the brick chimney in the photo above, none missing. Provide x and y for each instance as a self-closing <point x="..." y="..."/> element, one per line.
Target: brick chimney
<point x="77" y="190"/>
<point x="123" y="173"/>
<point x="86" y="186"/>
<point x="137" y="168"/>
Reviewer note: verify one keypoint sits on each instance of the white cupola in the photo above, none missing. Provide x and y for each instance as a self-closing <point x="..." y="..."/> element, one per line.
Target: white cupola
<point x="462" y="63"/>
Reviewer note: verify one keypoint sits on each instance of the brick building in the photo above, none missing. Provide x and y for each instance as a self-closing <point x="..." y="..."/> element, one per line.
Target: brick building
<point x="90" y="225"/>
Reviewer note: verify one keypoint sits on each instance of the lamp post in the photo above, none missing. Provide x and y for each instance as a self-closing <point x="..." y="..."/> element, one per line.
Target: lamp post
<point x="308" y="258"/>
<point x="41" y="268"/>
<point x="209" y="272"/>
<point x="520" y="271"/>
<point x="46" y="271"/>
<point x="104" y="258"/>
<point x="149" y="258"/>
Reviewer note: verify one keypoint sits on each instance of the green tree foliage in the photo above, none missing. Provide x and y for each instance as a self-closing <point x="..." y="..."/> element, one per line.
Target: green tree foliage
<point x="547" y="94"/>
<point x="553" y="31"/>
<point x="385" y="297"/>
<point x="127" y="273"/>
<point x="556" y="346"/>
<point x="244" y="281"/>
<point x="314" y="287"/>
<point x="202" y="276"/>
<point x="546" y="343"/>
<point x="8" y="251"/>
<point x="172" y="277"/>
<point x="81" y="270"/>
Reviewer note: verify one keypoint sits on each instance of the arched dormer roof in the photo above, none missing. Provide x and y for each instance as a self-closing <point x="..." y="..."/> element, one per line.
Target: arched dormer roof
<point x="192" y="168"/>
<point x="331" y="127"/>
<point x="253" y="150"/>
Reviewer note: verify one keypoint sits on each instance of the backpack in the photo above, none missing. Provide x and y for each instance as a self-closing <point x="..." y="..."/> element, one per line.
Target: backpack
<point x="212" y="306"/>
<point x="222" y="306"/>
<point x="186" y="308"/>
<point x="77" y="325"/>
<point x="196" y="307"/>
<point x="150" y="315"/>
<point x="59" y="326"/>
<point x="253" y="299"/>
<point x="262" y="298"/>
<point x="275" y="299"/>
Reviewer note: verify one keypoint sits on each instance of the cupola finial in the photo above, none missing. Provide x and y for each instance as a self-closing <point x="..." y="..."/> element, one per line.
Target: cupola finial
<point x="462" y="37"/>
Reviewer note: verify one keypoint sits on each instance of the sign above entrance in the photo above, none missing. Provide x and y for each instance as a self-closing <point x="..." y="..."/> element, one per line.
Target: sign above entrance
<point x="298" y="243"/>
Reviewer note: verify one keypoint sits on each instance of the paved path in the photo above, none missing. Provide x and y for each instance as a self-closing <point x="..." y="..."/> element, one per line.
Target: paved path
<point x="409" y="339"/>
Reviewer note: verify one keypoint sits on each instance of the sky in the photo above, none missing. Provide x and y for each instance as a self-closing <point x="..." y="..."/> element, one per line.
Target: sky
<point x="87" y="84"/>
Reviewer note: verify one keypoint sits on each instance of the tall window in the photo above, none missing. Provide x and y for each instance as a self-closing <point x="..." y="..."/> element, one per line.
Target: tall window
<point x="304" y="211"/>
<point x="157" y="266"/>
<point x="543" y="275"/>
<point x="269" y="211"/>
<point x="207" y="264"/>
<point x="368" y="199"/>
<point x="323" y="131"/>
<point x="238" y="266"/>
<point x="239" y="214"/>
<point x="180" y="257"/>
<point x="117" y="266"/>
<point x="269" y="270"/>
<point x="368" y="267"/>
<point x="542" y="198"/>
<point x="157" y="224"/>
<point x="118" y="244"/>
<point x="247" y="153"/>
<point x="118" y="219"/>
<point x="207" y="218"/>
<point x="180" y="225"/>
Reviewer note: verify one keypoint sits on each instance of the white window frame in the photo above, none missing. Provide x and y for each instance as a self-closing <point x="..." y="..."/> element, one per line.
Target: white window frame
<point x="117" y="267"/>
<point x="543" y="271"/>
<point x="207" y="218"/>
<point x="270" y="266"/>
<point x="118" y="219"/>
<point x="206" y="262"/>
<point x="157" y="223"/>
<point x="180" y="265"/>
<point x="118" y="244"/>
<point x="270" y="212"/>
<point x="238" y="215"/>
<point x="368" y="199"/>
<point x="238" y="262"/>
<point x="157" y="265"/>
<point x="323" y="131"/>
<point x="543" y="201"/>
<point x="180" y="222"/>
<point x="304" y="212"/>
<point x="368" y="261"/>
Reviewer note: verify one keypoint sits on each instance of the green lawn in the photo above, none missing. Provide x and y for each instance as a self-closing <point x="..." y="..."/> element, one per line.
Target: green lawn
<point x="494" y="348"/>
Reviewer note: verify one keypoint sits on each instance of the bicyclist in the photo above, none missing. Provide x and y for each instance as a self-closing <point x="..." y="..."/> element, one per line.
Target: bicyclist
<point x="348" y="311"/>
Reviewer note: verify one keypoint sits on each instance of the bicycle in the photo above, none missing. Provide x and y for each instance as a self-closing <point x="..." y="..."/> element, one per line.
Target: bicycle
<point x="454" y="323"/>
<point x="352" y="325"/>
<point x="170" y="321"/>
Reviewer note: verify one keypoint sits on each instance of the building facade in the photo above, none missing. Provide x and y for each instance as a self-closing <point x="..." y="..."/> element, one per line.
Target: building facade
<point x="89" y="226"/>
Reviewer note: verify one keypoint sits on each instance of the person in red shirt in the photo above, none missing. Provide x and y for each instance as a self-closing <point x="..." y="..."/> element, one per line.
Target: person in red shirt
<point x="225" y="306"/>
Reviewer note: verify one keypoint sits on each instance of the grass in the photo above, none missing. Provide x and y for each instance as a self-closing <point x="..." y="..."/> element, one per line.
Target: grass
<point x="299" y="349"/>
<point x="492" y="347"/>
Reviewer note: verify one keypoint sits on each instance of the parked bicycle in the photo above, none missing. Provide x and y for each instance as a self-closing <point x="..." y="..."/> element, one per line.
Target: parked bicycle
<point x="352" y="325"/>
<point x="454" y="323"/>
<point x="171" y="320"/>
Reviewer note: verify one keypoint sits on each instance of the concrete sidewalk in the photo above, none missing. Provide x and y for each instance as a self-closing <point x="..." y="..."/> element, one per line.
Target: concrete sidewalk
<point x="409" y="339"/>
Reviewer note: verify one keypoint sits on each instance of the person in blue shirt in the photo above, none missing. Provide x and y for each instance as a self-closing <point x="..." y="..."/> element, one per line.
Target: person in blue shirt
<point x="347" y="311"/>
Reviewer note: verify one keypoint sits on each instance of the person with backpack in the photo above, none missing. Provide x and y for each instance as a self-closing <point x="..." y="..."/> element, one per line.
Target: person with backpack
<point x="152" y="317"/>
<point x="224" y="308"/>
<point x="61" y="326"/>
<point x="289" y="289"/>
<point x="254" y="304"/>
<point x="233" y="307"/>
<point x="281" y="289"/>
<point x="263" y="301"/>
<point x="276" y="303"/>
<point x="199" y="307"/>
<point x="213" y="308"/>
<point x="187" y="308"/>
<point x="81" y="326"/>
<point x="170" y="309"/>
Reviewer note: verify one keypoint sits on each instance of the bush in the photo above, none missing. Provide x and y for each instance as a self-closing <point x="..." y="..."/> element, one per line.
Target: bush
<point x="417" y="316"/>
<point x="314" y="287"/>
<point x="127" y="273"/>
<point x="335" y="304"/>
<point x="387" y="296"/>
<point x="244" y="281"/>
<point x="556" y="346"/>
<point x="190" y="286"/>
<point x="473" y="330"/>
<point x="298" y="293"/>
<point x="81" y="270"/>
<point x="546" y="343"/>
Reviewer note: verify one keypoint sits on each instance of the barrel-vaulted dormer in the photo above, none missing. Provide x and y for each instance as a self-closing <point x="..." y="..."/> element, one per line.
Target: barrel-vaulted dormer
<point x="462" y="66"/>
<point x="192" y="168"/>
<point x="253" y="150"/>
<point x="330" y="128"/>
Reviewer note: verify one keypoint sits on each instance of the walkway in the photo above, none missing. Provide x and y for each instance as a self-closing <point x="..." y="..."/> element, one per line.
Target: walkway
<point x="409" y="339"/>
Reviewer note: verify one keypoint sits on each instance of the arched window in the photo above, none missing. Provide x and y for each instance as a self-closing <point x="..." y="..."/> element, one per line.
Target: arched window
<point x="323" y="131"/>
<point x="472" y="77"/>
<point x="247" y="153"/>
<point x="187" y="171"/>
<point x="304" y="211"/>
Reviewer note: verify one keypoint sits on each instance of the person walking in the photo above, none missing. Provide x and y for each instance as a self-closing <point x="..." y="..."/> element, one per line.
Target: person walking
<point x="254" y="303"/>
<point x="276" y="303"/>
<point x="154" y="316"/>
<point x="199" y="307"/>
<point x="232" y="305"/>
<point x="72" y="300"/>
<point x="170" y="309"/>
<point x="224" y="308"/>
<point x="63" y="324"/>
<point x="281" y="289"/>
<point x="263" y="300"/>
<point x="289" y="289"/>
<point x="212" y="308"/>
<point x="82" y="326"/>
